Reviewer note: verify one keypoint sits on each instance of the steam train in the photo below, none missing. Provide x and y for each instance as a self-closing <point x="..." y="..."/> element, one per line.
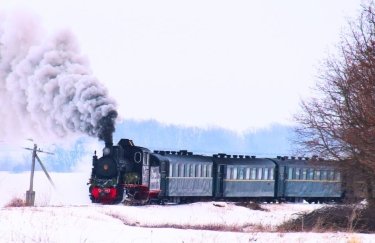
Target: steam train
<point x="137" y="175"/>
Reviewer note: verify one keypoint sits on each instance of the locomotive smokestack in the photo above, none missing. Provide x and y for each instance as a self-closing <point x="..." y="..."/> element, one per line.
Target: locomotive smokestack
<point x="108" y="143"/>
<point x="106" y="127"/>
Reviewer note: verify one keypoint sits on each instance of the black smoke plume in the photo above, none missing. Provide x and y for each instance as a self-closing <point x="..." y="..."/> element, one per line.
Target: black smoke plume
<point x="46" y="86"/>
<point x="106" y="127"/>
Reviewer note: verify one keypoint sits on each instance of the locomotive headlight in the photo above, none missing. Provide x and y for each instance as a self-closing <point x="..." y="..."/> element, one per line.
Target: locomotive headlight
<point x="106" y="151"/>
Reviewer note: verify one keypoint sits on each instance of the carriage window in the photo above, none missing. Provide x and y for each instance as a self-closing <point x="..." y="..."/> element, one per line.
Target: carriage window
<point x="297" y="173"/>
<point x="187" y="170"/>
<point x="293" y="173"/>
<point x="265" y="174"/>
<point x="252" y="173"/>
<point x="170" y="170"/>
<point x="241" y="173"/>
<point x="234" y="176"/>
<point x="304" y="174"/>
<point x="247" y="176"/>
<point x="307" y="174"/>
<point x="209" y="171"/>
<point x="180" y="170"/>
<point x="270" y="177"/>
<point x="290" y="173"/>
<point x="229" y="172"/>
<point x="331" y="175"/>
<point x="337" y="176"/>
<point x="204" y="170"/>
<point x="311" y="174"/>
<point x="317" y="175"/>
<point x="175" y="170"/>
<point x="260" y="173"/>
<point x="198" y="168"/>
<point x="192" y="170"/>
<point x="324" y="175"/>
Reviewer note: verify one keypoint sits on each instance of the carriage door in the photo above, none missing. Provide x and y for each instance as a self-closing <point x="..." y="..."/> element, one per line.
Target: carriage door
<point x="282" y="180"/>
<point x="145" y="159"/>
<point x="220" y="181"/>
<point x="155" y="177"/>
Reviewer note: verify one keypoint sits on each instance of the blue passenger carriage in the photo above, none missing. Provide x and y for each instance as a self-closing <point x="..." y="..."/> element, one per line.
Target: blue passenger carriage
<point x="313" y="180"/>
<point x="185" y="175"/>
<point x="241" y="176"/>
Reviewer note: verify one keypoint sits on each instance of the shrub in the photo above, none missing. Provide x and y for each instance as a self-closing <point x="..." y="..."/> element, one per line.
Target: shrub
<point x="349" y="218"/>
<point x="16" y="202"/>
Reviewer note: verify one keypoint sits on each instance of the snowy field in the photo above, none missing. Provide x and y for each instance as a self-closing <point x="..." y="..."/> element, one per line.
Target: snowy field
<point x="65" y="214"/>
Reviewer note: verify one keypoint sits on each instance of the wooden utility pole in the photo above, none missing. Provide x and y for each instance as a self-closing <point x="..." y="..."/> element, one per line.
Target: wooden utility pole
<point x="30" y="194"/>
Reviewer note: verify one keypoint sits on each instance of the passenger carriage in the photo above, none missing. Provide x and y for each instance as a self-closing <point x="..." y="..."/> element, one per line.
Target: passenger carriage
<point x="313" y="180"/>
<point x="185" y="175"/>
<point x="239" y="176"/>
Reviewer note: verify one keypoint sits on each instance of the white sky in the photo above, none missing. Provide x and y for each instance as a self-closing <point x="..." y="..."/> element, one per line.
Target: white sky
<point x="235" y="64"/>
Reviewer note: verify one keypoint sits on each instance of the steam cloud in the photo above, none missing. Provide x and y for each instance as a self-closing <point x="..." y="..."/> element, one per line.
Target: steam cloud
<point x="47" y="87"/>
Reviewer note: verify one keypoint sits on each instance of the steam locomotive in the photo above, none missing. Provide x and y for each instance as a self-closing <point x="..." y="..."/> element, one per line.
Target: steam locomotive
<point x="137" y="175"/>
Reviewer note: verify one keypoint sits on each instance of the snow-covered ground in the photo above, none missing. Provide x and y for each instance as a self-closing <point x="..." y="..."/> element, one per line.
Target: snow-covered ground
<point x="66" y="215"/>
<point x="71" y="188"/>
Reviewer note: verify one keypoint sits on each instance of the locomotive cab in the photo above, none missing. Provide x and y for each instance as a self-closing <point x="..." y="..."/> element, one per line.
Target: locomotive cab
<point x="140" y="172"/>
<point x="136" y="163"/>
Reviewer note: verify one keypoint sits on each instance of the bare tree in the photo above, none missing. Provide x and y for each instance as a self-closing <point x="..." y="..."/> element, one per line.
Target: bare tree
<point x="340" y="122"/>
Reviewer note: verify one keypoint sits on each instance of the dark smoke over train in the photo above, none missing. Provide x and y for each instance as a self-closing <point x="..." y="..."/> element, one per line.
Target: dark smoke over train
<point x="46" y="86"/>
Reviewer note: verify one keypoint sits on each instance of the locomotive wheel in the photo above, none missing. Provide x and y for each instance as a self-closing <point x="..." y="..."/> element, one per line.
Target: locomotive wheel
<point x="136" y="199"/>
<point x="120" y="195"/>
